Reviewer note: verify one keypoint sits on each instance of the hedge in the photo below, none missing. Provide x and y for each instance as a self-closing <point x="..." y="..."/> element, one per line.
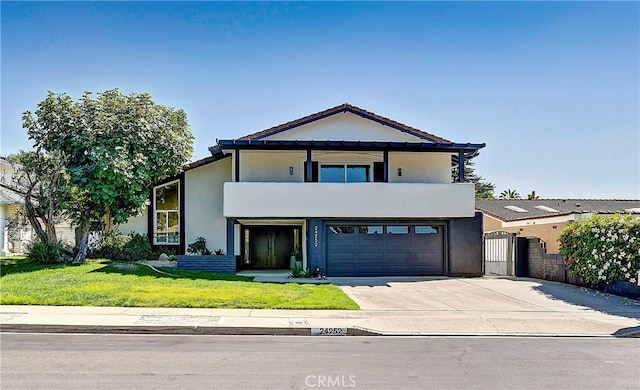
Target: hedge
<point x="602" y="249"/>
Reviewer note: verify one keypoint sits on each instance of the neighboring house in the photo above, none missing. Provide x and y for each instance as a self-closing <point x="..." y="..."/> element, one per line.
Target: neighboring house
<point x="546" y="218"/>
<point x="352" y="192"/>
<point x="16" y="240"/>
<point x="10" y="202"/>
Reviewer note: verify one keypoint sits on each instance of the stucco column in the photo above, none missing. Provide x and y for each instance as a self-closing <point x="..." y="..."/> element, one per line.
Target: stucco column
<point x="230" y="237"/>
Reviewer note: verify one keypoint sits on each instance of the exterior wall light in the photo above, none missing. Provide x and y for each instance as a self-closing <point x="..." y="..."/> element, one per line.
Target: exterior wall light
<point x="291" y="170"/>
<point x="399" y="171"/>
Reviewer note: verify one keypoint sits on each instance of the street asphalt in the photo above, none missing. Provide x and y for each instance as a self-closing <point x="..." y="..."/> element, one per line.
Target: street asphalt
<point x="487" y="306"/>
<point x="97" y="361"/>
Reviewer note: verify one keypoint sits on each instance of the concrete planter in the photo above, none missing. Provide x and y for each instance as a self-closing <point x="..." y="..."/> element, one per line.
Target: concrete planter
<point x="224" y="264"/>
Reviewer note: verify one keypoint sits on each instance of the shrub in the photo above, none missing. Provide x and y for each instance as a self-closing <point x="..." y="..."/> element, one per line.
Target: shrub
<point x="136" y="248"/>
<point x="199" y="247"/>
<point x="107" y="246"/>
<point x="113" y="246"/>
<point x="296" y="271"/>
<point x="169" y="251"/>
<point x="44" y="253"/>
<point x="602" y="249"/>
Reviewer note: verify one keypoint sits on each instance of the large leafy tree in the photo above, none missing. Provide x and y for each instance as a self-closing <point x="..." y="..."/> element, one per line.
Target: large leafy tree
<point x="484" y="189"/>
<point x="115" y="147"/>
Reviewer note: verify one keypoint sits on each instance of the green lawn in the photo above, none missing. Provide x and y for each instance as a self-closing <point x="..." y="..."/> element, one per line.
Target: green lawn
<point x="106" y="283"/>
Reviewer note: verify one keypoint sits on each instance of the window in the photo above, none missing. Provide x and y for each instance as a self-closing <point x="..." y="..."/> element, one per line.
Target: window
<point x="357" y="173"/>
<point x="341" y="229"/>
<point x="426" y="230"/>
<point x="397" y="229"/>
<point x="166" y="200"/>
<point x="332" y="173"/>
<point x="370" y="230"/>
<point x="344" y="173"/>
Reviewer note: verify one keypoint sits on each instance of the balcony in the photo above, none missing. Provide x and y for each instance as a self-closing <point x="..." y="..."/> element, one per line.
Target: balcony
<point x="348" y="200"/>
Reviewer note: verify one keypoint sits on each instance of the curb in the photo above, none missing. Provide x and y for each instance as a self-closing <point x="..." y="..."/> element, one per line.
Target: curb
<point x="178" y="330"/>
<point x="265" y="331"/>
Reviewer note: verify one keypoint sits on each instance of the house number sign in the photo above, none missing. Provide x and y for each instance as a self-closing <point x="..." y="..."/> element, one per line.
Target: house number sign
<point x="315" y="236"/>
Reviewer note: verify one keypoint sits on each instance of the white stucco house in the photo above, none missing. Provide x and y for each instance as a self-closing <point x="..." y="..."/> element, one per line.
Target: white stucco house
<point x="354" y="193"/>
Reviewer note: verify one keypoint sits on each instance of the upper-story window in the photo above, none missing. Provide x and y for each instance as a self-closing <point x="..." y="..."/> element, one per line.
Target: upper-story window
<point x="166" y="199"/>
<point x="344" y="173"/>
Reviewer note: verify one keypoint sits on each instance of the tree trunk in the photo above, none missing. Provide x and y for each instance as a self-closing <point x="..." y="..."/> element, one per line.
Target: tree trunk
<point x="33" y="220"/>
<point x="107" y="223"/>
<point x="82" y="242"/>
<point x="50" y="222"/>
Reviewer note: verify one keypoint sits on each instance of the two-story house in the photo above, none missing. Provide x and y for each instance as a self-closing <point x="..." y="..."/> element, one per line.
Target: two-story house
<point x="354" y="193"/>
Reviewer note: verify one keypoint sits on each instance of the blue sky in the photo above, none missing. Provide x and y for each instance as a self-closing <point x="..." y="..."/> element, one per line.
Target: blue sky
<point x="552" y="88"/>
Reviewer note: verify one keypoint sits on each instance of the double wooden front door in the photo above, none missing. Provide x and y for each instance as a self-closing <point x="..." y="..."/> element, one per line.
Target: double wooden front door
<point x="268" y="247"/>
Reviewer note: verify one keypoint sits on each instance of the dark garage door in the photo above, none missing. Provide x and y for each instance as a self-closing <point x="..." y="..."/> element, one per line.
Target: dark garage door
<point x="384" y="250"/>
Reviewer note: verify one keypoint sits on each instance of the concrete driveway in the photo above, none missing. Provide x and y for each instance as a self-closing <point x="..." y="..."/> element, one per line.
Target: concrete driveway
<point x="489" y="305"/>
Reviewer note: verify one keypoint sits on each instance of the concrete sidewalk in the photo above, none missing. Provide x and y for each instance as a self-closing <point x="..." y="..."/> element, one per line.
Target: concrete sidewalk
<point x="397" y="306"/>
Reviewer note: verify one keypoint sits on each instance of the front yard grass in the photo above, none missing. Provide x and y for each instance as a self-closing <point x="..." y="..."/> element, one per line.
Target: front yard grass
<point x="108" y="283"/>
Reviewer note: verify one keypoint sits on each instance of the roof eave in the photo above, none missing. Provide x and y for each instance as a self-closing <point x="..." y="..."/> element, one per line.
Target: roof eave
<point x="347" y="145"/>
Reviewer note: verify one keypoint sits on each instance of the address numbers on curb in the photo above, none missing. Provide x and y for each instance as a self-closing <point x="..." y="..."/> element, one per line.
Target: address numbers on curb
<point x="328" y="331"/>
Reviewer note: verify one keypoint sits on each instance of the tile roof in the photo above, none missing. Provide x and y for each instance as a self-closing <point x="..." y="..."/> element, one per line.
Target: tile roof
<point x="346" y="107"/>
<point x="216" y="154"/>
<point x="544" y="208"/>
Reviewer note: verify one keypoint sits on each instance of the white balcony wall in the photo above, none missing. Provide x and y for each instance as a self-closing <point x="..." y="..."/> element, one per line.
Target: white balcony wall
<point x="345" y="127"/>
<point x="348" y="200"/>
<point x="420" y="167"/>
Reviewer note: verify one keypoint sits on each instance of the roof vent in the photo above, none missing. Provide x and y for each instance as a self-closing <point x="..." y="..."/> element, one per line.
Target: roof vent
<point x="516" y="209"/>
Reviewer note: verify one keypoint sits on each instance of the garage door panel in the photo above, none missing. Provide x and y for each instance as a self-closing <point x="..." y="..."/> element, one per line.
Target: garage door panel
<point x="400" y="270"/>
<point x="427" y="242"/>
<point x="371" y="269"/>
<point x="372" y="257"/>
<point x="397" y="257"/>
<point x="370" y="243"/>
<point x="429" y="270"/>
<point x="341" y="243"/>
<point x="427" y="255"/>
<point x="398" y="242"/>
<point x="344" y="271"/>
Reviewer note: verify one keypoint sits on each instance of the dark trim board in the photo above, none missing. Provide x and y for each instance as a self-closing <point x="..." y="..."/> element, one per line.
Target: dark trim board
<point x="450" y="147"/>
<point x="181" y="247"/>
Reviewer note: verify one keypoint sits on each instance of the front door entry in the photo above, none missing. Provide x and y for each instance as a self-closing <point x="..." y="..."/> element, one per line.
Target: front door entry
<point x="269" y="247"/>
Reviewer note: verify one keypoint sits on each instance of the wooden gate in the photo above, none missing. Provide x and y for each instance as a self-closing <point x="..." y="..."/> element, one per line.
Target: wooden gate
<point x="500" y="253"/>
